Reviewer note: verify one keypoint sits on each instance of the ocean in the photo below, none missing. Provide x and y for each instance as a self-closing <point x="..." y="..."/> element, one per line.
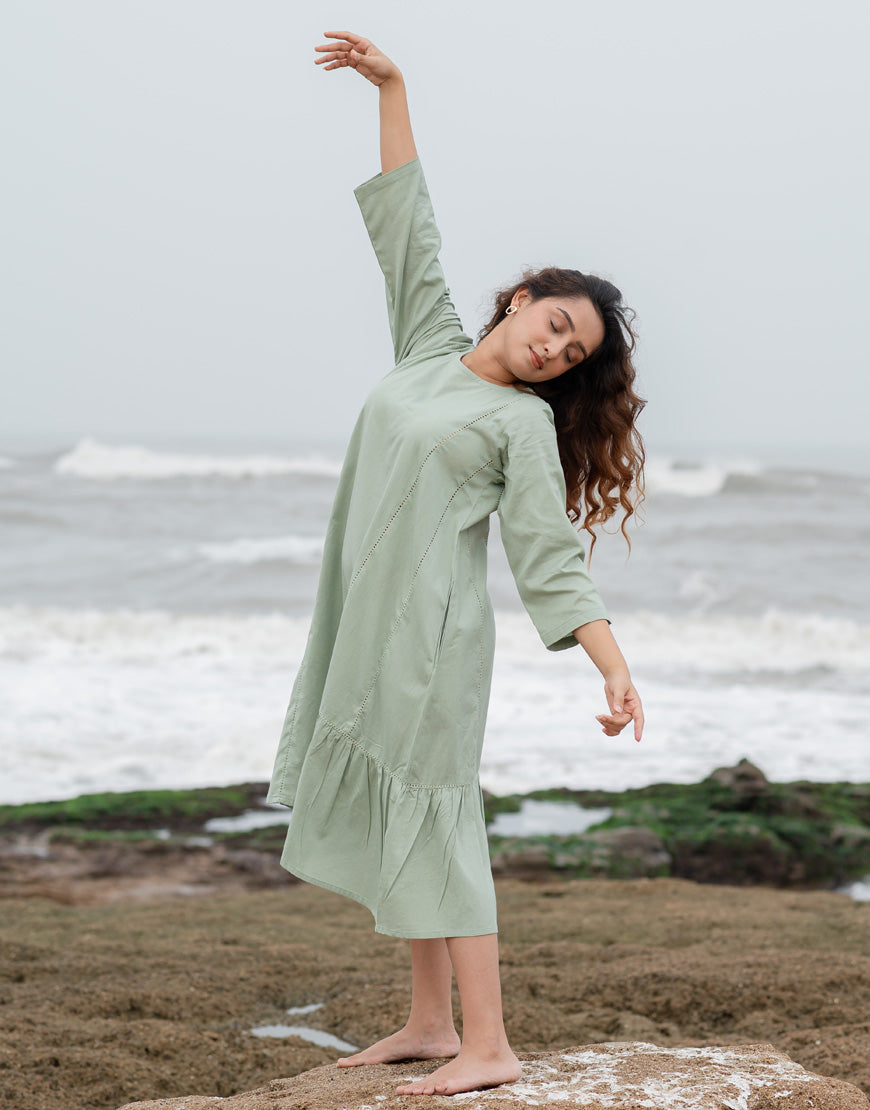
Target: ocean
<point x="154" y="606"/>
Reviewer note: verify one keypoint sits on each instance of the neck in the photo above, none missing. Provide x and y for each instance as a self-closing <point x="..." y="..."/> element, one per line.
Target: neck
<point x="483" y="361"/>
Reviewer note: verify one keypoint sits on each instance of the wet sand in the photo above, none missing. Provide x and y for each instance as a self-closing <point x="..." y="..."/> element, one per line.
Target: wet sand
<point x="149" y="997"/>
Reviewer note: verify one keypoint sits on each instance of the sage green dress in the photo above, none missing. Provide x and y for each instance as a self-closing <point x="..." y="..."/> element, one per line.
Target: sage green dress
<point x="380" y="751"/>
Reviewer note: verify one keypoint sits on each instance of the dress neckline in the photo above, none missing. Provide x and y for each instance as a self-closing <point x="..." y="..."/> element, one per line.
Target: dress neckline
<point x="485" y="381"/>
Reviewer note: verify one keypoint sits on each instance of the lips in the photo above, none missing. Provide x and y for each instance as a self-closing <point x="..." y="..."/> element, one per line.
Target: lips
<point x="536" y="362"/>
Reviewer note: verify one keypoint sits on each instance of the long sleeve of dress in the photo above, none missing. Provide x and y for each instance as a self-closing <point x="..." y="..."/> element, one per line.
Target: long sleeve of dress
<point x="401" y="225"/>
<point x="543" y="548"/>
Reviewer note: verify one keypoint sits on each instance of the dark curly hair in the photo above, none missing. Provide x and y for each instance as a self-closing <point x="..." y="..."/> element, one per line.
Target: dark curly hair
<point x="594" y="403"/>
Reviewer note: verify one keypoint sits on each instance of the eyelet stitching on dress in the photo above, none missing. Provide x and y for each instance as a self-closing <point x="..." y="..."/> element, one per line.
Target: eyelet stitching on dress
<point x="404" y="500"/>
<point x="479" y="643"/>
<point x="413" y="580"/>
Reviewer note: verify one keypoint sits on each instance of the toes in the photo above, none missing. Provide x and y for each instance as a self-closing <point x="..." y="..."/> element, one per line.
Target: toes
<point x="415" y="1089"/>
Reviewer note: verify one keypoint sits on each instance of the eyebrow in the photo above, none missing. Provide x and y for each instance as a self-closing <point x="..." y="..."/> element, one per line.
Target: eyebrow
<point x="571" y="322"/>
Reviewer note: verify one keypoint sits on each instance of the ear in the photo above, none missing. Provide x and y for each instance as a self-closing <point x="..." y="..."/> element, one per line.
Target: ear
<point x="521" y="297"/>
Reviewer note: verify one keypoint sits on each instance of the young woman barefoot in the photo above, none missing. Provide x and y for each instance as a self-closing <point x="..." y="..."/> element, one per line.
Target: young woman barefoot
<point x="380" y="753"/>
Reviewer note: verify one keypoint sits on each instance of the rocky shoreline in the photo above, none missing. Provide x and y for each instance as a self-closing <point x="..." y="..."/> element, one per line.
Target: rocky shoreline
<point x="735" y="827"/>
<point x="137" y="954"/>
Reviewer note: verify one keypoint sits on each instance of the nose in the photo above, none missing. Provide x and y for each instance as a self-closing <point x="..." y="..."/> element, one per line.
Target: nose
<point x="553" y="348"/>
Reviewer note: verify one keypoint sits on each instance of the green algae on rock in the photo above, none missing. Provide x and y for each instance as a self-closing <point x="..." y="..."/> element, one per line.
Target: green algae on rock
<point x="136" y="809"/>
<point x="735" y="827"/>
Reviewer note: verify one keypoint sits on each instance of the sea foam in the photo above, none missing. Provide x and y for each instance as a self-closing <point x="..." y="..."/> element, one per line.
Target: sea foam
<point x="120" y="700"/>
<point x="774" y="642"/>
<point x="294" y="549"/>
<point x="693" y="479"/>
<point x="92" y="459"/>
<point x="102" y="462"/>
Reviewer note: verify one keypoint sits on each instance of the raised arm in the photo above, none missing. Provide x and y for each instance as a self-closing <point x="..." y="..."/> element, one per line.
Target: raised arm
<point x="348" y="49"/>
<point x="398" y="213"/>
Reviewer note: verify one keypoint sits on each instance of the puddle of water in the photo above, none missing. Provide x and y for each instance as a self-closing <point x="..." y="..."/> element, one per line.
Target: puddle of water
<point x="547" y="819"/>
<point x="250" y="819"/>
<point x="315" y="1036"/>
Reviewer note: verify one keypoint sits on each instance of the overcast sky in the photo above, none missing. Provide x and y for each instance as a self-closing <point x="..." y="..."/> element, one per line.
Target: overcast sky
<point x="184" y="262"/>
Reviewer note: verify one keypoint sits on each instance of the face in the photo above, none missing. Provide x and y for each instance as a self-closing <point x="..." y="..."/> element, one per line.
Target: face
<point x="544" y="338"/>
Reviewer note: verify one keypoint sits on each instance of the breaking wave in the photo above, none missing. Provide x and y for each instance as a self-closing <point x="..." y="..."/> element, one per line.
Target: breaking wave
<point x="102" y="462"/>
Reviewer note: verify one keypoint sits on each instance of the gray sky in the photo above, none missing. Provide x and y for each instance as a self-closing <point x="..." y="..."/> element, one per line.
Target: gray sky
<point x="184" y="261"/>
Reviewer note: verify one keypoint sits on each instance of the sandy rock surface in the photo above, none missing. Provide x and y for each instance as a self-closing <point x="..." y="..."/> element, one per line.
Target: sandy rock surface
<point x="106" y="1004"/>
<point x="613" y="1076"/>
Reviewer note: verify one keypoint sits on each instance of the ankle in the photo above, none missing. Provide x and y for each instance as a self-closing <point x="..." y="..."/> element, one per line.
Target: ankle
<point x="493" y="1046"/>
<point x="430" y="1026"/>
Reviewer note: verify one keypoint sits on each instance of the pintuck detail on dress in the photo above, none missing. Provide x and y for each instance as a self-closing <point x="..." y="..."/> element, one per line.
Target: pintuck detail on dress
<point x="380" y="751"/>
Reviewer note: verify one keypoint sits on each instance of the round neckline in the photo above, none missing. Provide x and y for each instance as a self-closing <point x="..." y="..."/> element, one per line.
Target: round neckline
<point x="485" y="381"/>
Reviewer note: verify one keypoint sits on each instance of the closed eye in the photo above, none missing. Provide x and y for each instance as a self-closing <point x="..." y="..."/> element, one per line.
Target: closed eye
<point x="570" y="358"/>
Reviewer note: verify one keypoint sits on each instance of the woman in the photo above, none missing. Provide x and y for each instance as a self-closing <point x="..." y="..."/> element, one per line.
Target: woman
<point x="380" y="751"/>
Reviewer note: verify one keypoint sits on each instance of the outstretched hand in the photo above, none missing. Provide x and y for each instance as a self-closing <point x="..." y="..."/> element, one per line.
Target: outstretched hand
<point x="358" y="53"/>
<point x="624" y="703"/>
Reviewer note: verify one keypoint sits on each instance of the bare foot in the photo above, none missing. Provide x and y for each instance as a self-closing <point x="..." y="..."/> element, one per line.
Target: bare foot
<point x="405" y="1045"/>
<point x="466" y="1073"/>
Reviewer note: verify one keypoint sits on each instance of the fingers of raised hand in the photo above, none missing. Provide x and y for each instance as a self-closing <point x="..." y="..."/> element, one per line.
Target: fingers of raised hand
<point x="334" y="58"/>
<point x="334" y="61"/>
<point x="347" y="36"/>
<point x="346" y="51"/>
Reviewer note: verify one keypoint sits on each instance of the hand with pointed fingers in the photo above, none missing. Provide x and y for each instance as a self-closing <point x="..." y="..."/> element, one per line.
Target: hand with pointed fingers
<point x="625" y="706"/>
<point x="353" y="50"/>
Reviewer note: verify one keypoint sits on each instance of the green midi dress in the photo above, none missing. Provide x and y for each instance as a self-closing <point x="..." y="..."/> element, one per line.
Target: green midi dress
<point x="380" y="751"/>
